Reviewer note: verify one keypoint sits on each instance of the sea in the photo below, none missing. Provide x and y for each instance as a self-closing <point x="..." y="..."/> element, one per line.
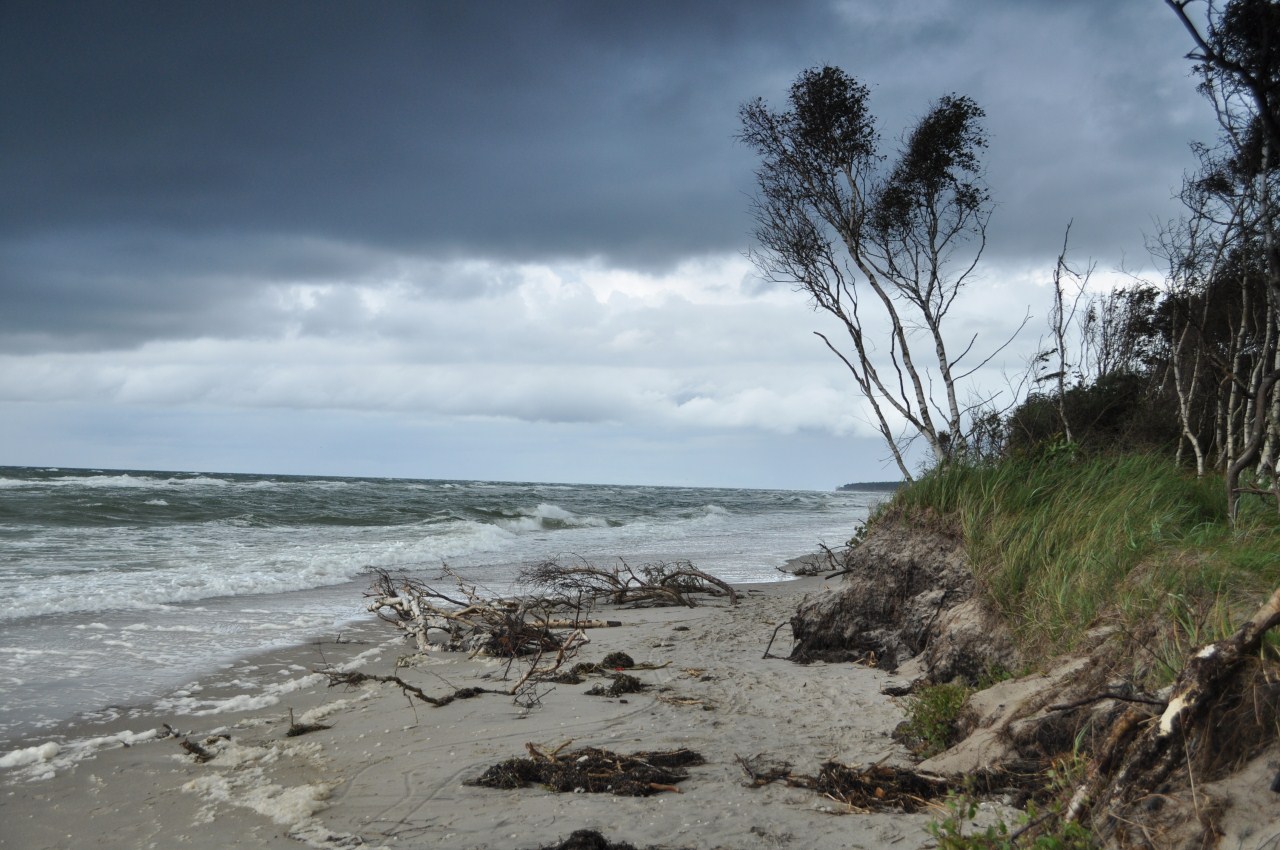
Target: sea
<point x="117" y="586"/>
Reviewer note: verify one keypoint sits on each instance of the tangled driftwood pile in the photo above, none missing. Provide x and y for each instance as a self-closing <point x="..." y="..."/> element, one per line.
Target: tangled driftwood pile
<point x="462" y="618"/>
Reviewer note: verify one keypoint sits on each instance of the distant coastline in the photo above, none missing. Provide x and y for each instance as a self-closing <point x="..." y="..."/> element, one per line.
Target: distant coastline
<point x="879" y="486"/>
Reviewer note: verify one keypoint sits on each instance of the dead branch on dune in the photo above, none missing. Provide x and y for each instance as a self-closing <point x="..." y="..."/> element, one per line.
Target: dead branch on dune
<point x="674" y="583"/>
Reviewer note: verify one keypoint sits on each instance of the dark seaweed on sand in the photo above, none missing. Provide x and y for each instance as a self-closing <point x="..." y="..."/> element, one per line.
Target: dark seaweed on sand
<point x="623" y="683"/>
<point x="594" y="770"/>
<point x="588" y="839"/>
<point x="618" y="661"/>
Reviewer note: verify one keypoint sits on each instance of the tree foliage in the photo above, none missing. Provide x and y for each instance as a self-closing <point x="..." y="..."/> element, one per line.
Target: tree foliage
<point x="882" y="246"/>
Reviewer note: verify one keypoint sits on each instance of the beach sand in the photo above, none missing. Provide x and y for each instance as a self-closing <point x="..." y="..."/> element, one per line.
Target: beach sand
<point x="389" y="772"/>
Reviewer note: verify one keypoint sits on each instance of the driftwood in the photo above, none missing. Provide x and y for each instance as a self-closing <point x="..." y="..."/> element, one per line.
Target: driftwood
<point x="295" y="728"/>
<point x="1145" y="751"/>
<point x="578" y="624"/>
<point x="525" y="691"/>
<point x="675" y="583"/>
<point x="885" y="788"/>
<point x="199" y="753"/>
<point x="464" y="618"/>
<point x="354" y="678"/>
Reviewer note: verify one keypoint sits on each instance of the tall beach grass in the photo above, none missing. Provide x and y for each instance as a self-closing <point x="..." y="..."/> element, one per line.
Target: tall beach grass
<point x="1062" y="543"/>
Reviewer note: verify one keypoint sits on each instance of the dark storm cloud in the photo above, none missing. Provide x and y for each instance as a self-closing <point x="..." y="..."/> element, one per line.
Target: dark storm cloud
<point x="162" y="162"/>
<point x="518" y="128"/>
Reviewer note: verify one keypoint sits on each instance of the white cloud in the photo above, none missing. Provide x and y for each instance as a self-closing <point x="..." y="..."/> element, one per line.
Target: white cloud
<point x="573" y="343"/>
<point x="695" y="347"/>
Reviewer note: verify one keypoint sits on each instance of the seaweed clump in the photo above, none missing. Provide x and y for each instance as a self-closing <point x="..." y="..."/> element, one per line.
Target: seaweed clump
<point x="589" y="839"/>
<point x="623" y="683"/>
<point x="878" y="788"/>
<point x="592" y="770"/>
<point x="616" y="661"/>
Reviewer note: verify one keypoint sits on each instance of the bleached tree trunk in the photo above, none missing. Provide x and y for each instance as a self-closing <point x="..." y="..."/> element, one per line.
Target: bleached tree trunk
<point x="1186" y="395"/>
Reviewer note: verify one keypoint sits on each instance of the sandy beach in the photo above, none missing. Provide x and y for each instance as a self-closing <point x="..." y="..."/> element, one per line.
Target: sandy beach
<point x="389" y="772"/>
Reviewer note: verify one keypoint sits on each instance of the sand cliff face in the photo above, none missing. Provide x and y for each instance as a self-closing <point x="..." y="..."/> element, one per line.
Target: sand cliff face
<point x="908" y="592"/>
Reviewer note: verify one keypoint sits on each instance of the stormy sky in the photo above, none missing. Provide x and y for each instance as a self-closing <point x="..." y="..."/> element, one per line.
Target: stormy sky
<point x="506" y="240"/>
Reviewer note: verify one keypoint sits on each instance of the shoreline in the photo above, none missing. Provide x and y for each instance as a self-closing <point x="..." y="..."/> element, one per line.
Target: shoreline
<point x="388" y="772"/>
<point x="123" y="660"/>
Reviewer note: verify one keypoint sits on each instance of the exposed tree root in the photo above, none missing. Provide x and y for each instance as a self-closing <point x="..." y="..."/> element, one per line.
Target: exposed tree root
<point x="1145" y="753"/>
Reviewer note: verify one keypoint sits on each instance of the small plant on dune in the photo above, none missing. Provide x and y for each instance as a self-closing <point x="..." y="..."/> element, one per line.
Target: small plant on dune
<point x="932" y="716"/>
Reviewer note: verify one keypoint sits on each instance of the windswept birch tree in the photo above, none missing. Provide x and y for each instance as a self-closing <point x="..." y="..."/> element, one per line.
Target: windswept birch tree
<point x="883" y="247"/>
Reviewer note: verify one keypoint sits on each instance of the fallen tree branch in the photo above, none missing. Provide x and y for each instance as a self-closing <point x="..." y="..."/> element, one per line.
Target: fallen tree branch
<point x="651" y="585"/>
<point x="353" y="678"/>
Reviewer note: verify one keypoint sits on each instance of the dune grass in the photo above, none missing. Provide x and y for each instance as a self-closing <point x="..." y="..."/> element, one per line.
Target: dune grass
<point x="1063" y="543"/>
